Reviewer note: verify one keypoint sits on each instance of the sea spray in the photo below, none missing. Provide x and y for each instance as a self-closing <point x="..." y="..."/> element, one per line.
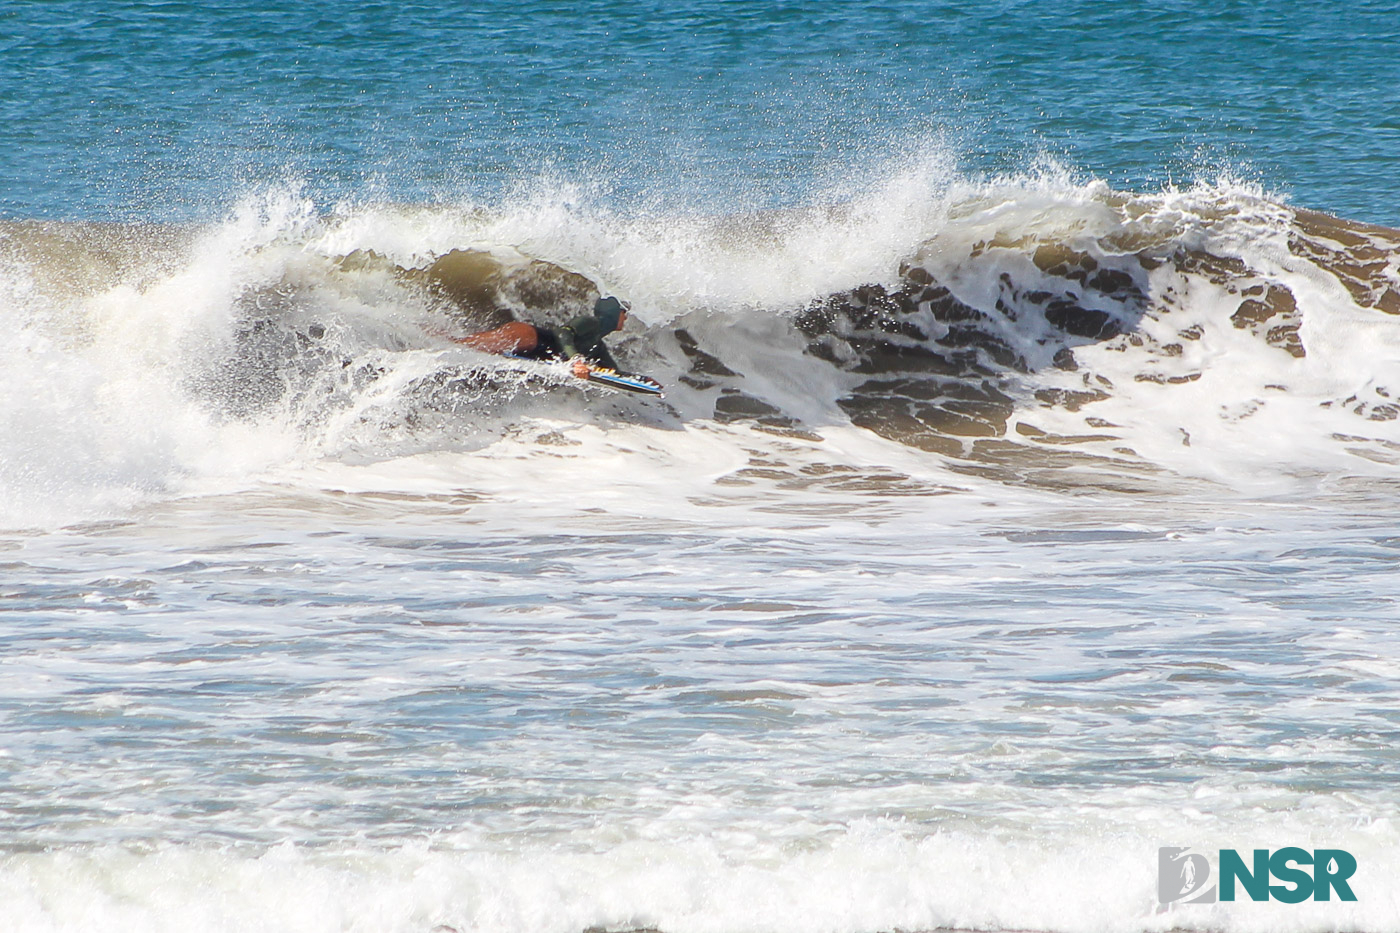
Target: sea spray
<point x="1032" y="320"/>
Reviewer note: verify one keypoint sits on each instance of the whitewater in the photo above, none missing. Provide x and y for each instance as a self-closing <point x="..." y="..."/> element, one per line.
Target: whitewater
<point x="990" y="536"/>
<point x="1020" y="506"/>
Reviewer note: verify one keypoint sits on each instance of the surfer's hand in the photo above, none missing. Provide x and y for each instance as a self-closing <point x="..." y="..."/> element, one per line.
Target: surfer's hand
<point x="581" y="367"/>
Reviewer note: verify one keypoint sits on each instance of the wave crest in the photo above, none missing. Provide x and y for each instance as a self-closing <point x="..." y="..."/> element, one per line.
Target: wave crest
<point x="1024" y="331"/>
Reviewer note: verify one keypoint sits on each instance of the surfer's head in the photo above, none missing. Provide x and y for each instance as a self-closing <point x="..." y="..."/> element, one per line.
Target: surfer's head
<point x="610" y="313"/>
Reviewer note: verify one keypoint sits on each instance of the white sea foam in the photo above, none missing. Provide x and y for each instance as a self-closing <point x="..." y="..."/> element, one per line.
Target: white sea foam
<point x="1096" y="876"/>
<point x="106" y="407"/>
<point x="370" y="650"/>
<point x="440" y="691"/>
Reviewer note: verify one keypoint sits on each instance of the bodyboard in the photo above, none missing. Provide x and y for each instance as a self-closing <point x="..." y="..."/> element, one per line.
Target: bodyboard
<point x="610" y="378"/>
<point x="627" y="382"/>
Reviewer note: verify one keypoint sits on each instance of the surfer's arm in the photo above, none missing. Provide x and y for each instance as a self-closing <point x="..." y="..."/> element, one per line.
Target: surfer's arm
<point x="601" y="357"/>
<point x="568" y="343"/>
<point x="584" y="347"/>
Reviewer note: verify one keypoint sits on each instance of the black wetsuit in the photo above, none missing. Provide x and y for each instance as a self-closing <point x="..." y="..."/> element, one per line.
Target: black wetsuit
<point x="583" y="336"/>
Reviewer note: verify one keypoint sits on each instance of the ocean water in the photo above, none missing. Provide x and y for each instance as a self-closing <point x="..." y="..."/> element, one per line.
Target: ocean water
<point x="1021" y="502"/>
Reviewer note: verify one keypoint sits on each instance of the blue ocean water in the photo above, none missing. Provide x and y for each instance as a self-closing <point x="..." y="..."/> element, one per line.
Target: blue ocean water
<point x="1020" y="504"/>
<point x="169" y="110"/>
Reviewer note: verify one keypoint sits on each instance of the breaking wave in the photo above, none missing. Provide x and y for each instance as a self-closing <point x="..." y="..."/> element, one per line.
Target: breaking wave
<point x="1029" y="331"/>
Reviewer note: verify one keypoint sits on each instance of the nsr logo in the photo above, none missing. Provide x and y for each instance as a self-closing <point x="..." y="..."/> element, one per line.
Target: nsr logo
<point x="1182" y="875"/>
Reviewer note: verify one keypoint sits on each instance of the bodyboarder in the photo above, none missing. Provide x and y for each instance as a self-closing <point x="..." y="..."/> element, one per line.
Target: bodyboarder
<point x="580" y="341"/>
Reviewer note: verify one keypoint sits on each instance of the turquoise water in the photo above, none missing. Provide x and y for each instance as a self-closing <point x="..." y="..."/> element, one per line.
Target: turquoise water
<point x="170" y="110"/>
